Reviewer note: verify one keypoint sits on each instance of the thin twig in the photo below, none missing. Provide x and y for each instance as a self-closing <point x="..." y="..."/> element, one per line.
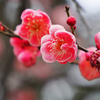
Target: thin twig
<point x="67" y="11"/>
<point x="8" y="29"/>
<point x="9" y="34"/>
<point x="72" y="29"/>
<point x="74" y="62"/>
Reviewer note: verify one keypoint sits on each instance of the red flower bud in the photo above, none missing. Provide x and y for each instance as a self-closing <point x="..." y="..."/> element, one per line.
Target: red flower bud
<point x="71" y="21"/>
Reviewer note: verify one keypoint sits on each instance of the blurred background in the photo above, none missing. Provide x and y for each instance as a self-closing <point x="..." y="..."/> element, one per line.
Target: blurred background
<point x="45" y="81"/>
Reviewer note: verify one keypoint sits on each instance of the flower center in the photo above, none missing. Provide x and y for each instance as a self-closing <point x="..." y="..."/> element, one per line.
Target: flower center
<point x="35" y="25"/>
<point x="56" y="48"/>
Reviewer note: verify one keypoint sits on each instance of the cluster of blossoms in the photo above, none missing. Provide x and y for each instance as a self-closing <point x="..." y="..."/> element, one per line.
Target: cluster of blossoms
<point x="25" y="53"/>
<point x="34" y="25"/>
<point x="36" y="30"/>
<point x="22" y="49"/>
<point x="37" y="34"/>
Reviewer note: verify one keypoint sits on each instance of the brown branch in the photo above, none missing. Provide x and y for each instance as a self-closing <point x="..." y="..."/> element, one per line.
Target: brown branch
<point x="7" y="29"/>
<point x="9" y="34"/>
<point x="74" y="62"/>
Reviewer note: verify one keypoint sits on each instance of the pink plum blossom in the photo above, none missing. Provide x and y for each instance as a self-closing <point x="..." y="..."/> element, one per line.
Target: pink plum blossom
<point x="86" y="69"/>
<point x="27" y="58"/>
<point x="97" y="40"/>
<point x="25" y="53"/>
<point x="59" y="46"/>
<point x="35" y="24"/>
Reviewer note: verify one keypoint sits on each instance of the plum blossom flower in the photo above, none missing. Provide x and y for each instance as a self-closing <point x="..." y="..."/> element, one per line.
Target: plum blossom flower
<point x="86" y="69"/>
<point x="59" y="46"/>
<point x="25" y="53"/>
<point x="35" y="24"/>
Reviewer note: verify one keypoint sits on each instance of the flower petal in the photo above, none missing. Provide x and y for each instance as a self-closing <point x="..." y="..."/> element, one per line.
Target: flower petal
<point x="27" y="20"/>
<point x="86" y="70"/>
<point x="24" y="31"/>
<point x="45" y="18"/>
<point x="55" y="28"/>
<point x="46" y="38"/>
<point x="68" y="37"/>
<point x="27" y="12"/>
<point x="45" y="50"/>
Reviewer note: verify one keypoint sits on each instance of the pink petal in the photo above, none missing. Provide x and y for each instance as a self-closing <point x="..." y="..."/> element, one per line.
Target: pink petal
<point x="16" y="42"/>
<point x="46" y="38"/>
<point x="35" y="40"/>
<point x="68" y="56"/>
<point x="17" y="29"/>
<point x="68" y="37"/>
<point x="55" y="28"/>
<point x="27" y="19"/>
<point x="17" y="50"/>
<point x="45" y="50"/>
<point x="63" y="62"/>
<point x="24" y="31"/>
<point x="27" y="12"/>
<point x="26" y="58"/>
<point x="45" y="18"/>
<point x="74" y="54"/>
<point x="64" y="46"/>
<point x="63" y="57"/>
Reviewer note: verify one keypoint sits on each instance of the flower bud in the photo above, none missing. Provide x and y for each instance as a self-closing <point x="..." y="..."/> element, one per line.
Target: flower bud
<point x="71" y="21"/>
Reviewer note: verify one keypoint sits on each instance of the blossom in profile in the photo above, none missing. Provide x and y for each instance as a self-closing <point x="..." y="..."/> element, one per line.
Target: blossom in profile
<point x="27" y="58"/>
<point x="35" y="24"/>
<point x="59" y="45"/>
<point x="86" y="67"/>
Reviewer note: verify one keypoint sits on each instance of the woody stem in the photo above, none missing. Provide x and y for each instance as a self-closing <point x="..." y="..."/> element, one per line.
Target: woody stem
<point x="8" y="34"/>
<point x="73" y="32"/>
